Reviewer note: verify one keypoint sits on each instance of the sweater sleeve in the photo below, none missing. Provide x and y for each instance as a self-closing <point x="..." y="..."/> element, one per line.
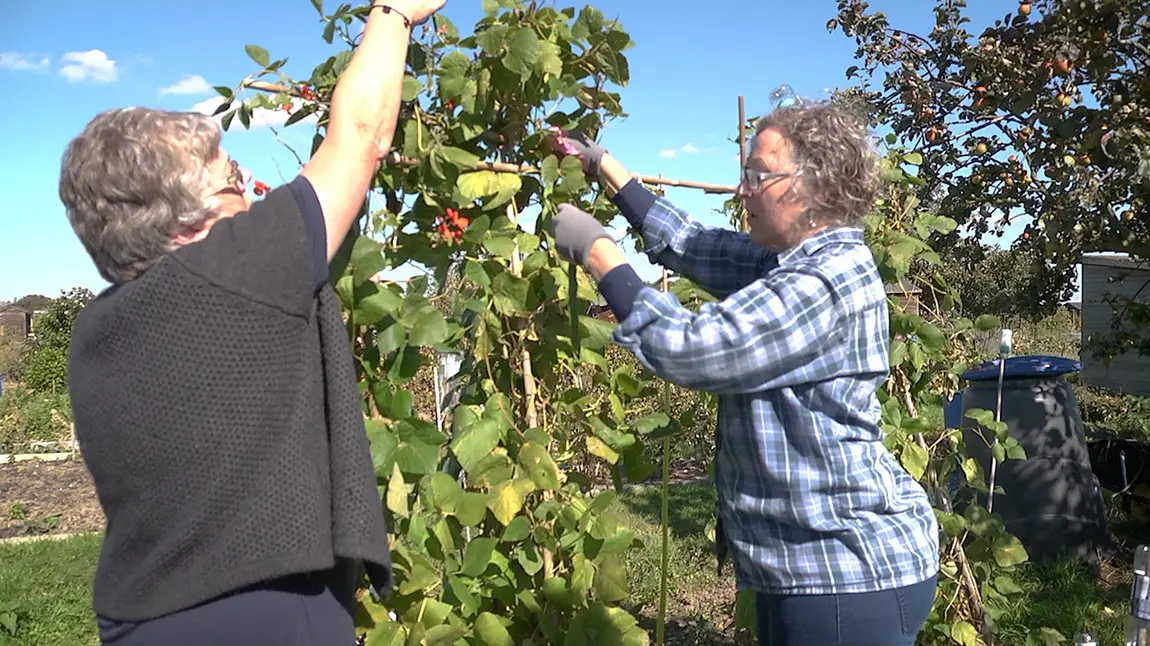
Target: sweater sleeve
<point x="274" y="253"/>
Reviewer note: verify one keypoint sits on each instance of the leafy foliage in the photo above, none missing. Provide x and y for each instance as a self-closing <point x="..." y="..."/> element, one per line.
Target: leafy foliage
<point x="1042" y="117"/>
<point x="496" y="538"/>
<point x="46" y="366"/>
<point x="1008" y="283"/>
<point x="494" y="542"/>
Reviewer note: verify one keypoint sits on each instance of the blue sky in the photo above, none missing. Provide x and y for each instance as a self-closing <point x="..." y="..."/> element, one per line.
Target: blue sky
<point x="690" y="63"/>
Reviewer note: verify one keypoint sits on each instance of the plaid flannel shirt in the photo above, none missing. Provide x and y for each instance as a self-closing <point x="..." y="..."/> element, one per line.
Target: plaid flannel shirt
<point x="811" y="502"/>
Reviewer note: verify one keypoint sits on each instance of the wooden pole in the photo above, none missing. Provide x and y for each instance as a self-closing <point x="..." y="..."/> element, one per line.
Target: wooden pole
<point x="743" y="147"/>
<point x="395" y="159"/>
<point x="742" y="133"/>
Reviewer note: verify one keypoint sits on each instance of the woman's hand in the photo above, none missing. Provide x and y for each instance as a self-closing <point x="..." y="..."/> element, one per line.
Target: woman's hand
<point x="579" y="238"/>
<point x="417" y="11"/>
<point x="576" y="144"/>
<point x="597" y="162"/>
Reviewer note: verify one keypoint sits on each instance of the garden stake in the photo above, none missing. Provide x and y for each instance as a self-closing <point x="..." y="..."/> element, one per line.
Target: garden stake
<point x="660" y="627"/>
<point x="1003" y="352"/>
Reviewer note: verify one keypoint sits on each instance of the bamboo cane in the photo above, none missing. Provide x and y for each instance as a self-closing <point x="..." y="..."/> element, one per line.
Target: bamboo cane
<point x="743" y="147"/>
<point x="660" y="626"/>
<point x="394" y="159"/>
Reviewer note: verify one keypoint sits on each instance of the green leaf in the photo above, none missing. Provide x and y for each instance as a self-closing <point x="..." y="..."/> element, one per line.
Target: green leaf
<point x="914" y="459"/>
<point x="258" y="54"/>
<point x="411" y="88"/>
<point x="397" y="493"/>
<point x="483" y="183"/>
<point x="510" y="294"/>
<point x="611" y="579"/>
<point x="1006" y="585"/>
<point x="529" y="558"/>
<point x="523" y="51"/>
<point x="913" y="158"/>
<point x="507" y="499"/>
<point x="476" y="274"/>
<point x="8" y="622"/>
<point x="415" y="454"/>
<point x="491" y="631"/>
<point x="443" y="635"/>
<point x="466" y="599"/>
<point x="461" y="159"/>
<point x="652" y="422"/>
<point x="366" y="258"/>
<point x="964" y="633"/>
<point x="1045" y="636"/>
<point x="478" y="556"/>
<point x="383" y="447"/>
<point x="502" y="245"/>
<point x="1008" y="551"/>
<point x="446" y="493"/>
<point x="945" y="225"/>
<point x="931" y="336"/>
<point x="952" y="524"/>
<point x="517" y="530"/>
<point x="492" y="39"/>
<point x="475" y="443"/>
<point x="539" y="466"/>
<point x="550" y="170"/>
<point x="430" y="329"/>
<point x="595" y="446"/>
<point x="987" y="322"/>
<point x="388" y="633"/>
<point x="596" y="333"/>
<point x="472" y="508"/>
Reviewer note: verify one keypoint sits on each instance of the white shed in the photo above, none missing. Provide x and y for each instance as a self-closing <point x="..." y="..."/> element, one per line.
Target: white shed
<point x="1106" y="276"/>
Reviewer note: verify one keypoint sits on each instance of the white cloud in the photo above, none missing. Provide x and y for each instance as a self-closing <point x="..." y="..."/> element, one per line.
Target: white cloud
<point x="22" y="62"/>
<point x="261" y="117"/>
<point x="188" y="85"/>
<point x="93" y="65"/>
<point x="686" y="149"/>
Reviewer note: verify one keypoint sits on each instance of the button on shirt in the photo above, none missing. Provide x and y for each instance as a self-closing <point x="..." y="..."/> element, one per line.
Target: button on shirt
<point x="810" y="500"/>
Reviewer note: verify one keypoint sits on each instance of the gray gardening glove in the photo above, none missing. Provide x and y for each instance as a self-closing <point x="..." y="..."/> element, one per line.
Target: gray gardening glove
<point x="580" y="146"/>
<point x="575" y="231"/>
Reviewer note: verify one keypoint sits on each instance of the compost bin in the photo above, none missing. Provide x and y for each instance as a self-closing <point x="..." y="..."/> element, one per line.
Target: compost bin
<point x="1051" y="500"/>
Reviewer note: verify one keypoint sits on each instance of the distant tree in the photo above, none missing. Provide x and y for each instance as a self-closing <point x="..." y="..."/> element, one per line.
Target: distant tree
<point x="1003" y="282"/>
<point x="46" y="368"/>
<point x="34" y="302"/>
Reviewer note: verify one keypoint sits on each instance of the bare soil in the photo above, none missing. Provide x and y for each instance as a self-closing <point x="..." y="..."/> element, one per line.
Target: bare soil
<point x="40" y="497"/>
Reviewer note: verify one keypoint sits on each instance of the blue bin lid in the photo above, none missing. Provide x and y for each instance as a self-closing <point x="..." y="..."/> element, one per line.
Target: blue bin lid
<point x="1025" y="366"/>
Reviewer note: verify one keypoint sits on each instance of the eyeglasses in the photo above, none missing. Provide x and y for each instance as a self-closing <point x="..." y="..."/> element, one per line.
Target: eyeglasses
<point x="756" y="179"/>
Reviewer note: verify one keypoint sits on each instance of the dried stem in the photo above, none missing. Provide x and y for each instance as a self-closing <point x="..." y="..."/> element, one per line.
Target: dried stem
<point x="965" y="570"/>
<point x="501" y="167"/>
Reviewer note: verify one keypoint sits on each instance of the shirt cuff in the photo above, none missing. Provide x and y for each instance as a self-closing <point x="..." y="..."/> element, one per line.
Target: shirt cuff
<point x="620" y="287"/>
<point x="634" y="201"/>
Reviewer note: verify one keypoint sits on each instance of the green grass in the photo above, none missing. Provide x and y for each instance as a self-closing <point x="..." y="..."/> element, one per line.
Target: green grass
<point x="700" y="604"/>
<point x="47" y="585"/>
<point x="1068" y="597"/>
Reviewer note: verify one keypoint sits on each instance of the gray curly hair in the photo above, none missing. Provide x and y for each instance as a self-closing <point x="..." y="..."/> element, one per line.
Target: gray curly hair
<point x="133" y="180"/>
<point x="838" y="166"/>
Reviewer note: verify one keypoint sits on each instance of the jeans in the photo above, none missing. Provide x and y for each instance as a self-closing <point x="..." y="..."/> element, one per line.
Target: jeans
<point x="885" y="618"/>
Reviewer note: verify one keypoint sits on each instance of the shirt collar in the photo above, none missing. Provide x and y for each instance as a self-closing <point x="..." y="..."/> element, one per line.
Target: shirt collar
<point x="810" y="246"/>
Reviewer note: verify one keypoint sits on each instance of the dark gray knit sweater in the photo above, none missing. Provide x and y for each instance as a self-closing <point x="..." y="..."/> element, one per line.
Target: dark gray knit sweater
<point x="216" y="407"/>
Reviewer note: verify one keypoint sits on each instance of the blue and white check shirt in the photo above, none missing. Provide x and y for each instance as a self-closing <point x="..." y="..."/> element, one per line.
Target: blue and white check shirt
<point x="810" y="500"/>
